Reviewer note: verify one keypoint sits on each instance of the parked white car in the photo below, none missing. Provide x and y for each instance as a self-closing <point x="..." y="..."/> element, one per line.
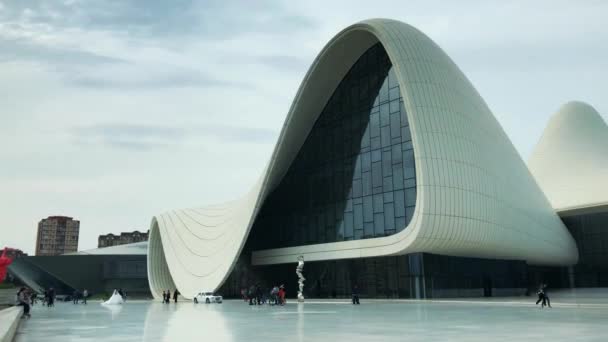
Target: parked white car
<point x="207" y="297"/>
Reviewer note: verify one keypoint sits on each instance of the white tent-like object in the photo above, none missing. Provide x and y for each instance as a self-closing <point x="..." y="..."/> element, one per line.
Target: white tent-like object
<point x="114" y="300"/>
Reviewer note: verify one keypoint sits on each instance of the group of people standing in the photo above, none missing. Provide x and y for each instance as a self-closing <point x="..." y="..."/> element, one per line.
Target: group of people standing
<point x="543" y="296"/>
<point x="258" y="296"/>
<point x="77" y="296"/>
<point x="167" y="296"/>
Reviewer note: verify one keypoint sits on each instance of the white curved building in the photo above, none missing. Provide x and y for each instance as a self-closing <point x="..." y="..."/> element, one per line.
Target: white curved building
<point x="387" y="150"/>
<point x="570" y="161"/>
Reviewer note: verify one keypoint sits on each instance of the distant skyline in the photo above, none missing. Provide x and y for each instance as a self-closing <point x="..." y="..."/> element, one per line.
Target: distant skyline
<point x="112" y="110"/>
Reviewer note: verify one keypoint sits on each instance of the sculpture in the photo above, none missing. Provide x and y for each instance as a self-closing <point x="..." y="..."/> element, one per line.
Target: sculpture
<point x="301" y="278"/>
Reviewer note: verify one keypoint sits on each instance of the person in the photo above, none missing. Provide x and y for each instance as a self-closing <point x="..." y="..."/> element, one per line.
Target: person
<point x="541" y="295"/>
<point x="51" y="298"/>
<point x="244" y="294"/>
<point x="546" y="300"/>
<point x="274" y="295"/>
<point x="44" y="299"/>
<point x="168" y="297"/>
<point x="356" y="295"/>
<point x="85" y="294"/>
<point x="282" y="294"/>
<point x="33" y="297"/>
<point x="164" y="296"/>
<point x="251" y="294"/>
<point x="51" y="301"/>
<point x="23" y="300"/>
<point x="175" y="293"/>
<point x="258" y="294"/>
<point x="75" y="297"/>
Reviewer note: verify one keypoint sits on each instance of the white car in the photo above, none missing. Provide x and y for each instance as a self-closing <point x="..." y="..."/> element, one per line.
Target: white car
<point x="207" y="297"/>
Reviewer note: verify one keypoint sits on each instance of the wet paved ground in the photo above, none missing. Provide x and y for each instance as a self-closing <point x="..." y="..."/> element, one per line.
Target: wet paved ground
<point x="574" y="317"/>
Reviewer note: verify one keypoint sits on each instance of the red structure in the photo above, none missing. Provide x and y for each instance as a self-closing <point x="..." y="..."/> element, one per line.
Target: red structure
<point x="8" y="254"/>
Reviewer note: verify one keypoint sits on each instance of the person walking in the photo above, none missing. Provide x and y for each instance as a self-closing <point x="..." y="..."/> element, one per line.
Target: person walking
<point x="75" y="297"/>
<point x="541" y="295"/>
<point x="85" y="294"/>
<point x="51" y="298"/>
<point x="546" y="300"/>
<point x="282" y="294"/>
<point x="168" y="297"/>
<point x="251" y="294"/>
<point x="175" y="293"/>
<point x="356" y="295"/>
<point x="164" y="296"/>
<point x="274" y="295"/>
<point x="23" y="300"/>
<point x="258" y="294"/>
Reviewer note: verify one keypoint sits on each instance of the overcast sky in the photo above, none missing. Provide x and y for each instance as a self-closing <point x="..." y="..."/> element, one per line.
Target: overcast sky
<point x="114" y="111"/>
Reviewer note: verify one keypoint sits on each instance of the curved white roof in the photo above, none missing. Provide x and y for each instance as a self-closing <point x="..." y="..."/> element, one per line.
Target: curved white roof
<point x="137" y="248"/>
<point x="570" y="162"/>
<point x="475" y="195"/>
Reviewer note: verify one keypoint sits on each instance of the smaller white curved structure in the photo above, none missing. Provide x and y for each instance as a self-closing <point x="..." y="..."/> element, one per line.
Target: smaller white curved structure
<point x="570" y="162"/>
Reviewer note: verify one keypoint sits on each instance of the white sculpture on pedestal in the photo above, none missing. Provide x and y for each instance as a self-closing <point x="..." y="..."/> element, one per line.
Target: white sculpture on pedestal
<point x="301" y="278"/>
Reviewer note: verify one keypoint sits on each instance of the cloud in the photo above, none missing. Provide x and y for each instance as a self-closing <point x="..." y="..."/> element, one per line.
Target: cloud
<point x="127" y="136"/>
<point x="148" y="137"/>
<point x="136" y="79"/>
<point x="19" y="50"/>
<point x="283" y="62"/>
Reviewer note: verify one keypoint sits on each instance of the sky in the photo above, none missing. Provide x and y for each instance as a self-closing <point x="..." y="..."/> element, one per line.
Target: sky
<point x="113" y="111"/>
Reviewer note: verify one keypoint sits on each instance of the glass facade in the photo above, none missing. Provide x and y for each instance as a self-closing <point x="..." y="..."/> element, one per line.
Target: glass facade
<point x="419" y="275"/>
<point x="591" y="234"/>
<point x="354" y="177"/>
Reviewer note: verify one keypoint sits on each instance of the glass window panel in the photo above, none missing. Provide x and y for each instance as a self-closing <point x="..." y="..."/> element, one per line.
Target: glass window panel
<point x="395" y="128"/>
<point x="358" y="216"/>
<point x="394" y="94"/>
<point x="387" y="183"/>
<point x="378" y="203"/>
<point x="376" y="174"/>
<point x="405" y="134"/>
<point x="375" y="143"/>
<point x="376" y="156"/>
<point x="388" y="197"/>
<point x="389" y="216"/>
<point x="366" y="183"/>
<point x="369" y="229"/>
<point x="387" y="168"/>
<point x="348" y="224"/>
<point x="383" y="94"/>
<point x="358" y="234"/>
<point x="394" y="107"/>
<point x="399" y="200"/>
<point x="379" y="224"/>
<point x="385" y="136"/>
<point x="396" y="154"/>
<point x="366" y="162"/>
<point x="368" y="209"/>
<point x="403" y="114"/>
<point x="400" y="223"/>
<point x="384" y="115"/>
<point x="398" y="177"/>
<point x="374" y="124"/>
<point x="356" y="188"/>
<point x="410" y="196"/>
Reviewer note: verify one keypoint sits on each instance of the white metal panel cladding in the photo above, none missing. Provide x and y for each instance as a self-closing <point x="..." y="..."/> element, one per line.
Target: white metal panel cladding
<point x="570" y="162"/>
<point x="475" y="196"/>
